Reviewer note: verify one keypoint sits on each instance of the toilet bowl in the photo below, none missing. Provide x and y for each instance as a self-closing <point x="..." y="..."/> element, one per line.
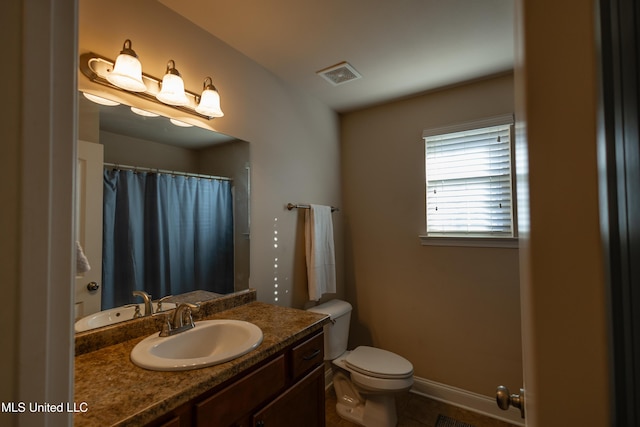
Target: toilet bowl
<point x="365" y="379"/>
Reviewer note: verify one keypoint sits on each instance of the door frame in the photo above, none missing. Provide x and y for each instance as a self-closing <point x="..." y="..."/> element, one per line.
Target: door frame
<point x="41" y="139"/>
<point x="620" y="183"/>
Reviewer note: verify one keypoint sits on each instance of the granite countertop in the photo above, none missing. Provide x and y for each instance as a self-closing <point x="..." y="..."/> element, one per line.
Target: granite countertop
<point x="117" y="392"/>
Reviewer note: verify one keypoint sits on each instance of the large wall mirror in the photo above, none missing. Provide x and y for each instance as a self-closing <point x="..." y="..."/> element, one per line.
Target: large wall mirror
<point x="115" y="138"/>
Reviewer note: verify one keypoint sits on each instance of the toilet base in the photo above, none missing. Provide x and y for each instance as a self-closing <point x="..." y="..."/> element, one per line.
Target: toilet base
<point x="372" y="410"/>
<point x="378" y="411"/>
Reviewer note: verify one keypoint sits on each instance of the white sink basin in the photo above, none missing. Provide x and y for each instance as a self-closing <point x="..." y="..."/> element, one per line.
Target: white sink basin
<point x="114" y="315"/>
<point x="210" y="342"/>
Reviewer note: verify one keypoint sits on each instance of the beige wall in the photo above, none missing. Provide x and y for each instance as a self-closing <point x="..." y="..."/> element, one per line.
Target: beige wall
<point x="125" y="150"/>
<point x="294" y="138"/>
<point x="452" y="311"/>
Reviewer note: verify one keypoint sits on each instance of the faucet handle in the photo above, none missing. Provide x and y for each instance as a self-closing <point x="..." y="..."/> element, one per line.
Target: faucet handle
<point x="190" y="309"/>
<point x="136" y="313"/>
<point x="160" y="301"/>
<point x="166" y="326"/>
<point x="187" y="306"/>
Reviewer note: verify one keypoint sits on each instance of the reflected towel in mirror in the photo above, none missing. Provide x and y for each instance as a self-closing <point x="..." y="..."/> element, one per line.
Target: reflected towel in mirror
<point x="82" y="263"/>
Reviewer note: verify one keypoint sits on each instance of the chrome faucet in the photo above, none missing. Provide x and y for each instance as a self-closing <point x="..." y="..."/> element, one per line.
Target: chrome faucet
<point x="177" y="324"/>
<point x="148" y="307"/>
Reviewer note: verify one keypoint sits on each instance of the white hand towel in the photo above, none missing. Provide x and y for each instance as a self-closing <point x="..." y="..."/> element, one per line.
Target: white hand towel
<point x="320" y="252"/>
<point x="82" y="263"/>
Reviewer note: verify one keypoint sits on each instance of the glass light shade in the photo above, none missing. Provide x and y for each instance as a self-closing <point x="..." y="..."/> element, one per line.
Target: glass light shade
<point x="172" y="92"/>
<point x="210" y="103"/>
<point x="143" y="113"/>
<point x="127" y="71"/>
<point x="180" y="123"/>
<point x="100" y="100"/>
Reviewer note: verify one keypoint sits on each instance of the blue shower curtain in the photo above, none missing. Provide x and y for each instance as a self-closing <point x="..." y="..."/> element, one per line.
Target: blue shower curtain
<point x="165" y="235"/>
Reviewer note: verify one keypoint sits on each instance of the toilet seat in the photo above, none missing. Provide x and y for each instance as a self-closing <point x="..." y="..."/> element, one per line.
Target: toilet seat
<point x="368" y="383"/>
<point x="378" y="363"/>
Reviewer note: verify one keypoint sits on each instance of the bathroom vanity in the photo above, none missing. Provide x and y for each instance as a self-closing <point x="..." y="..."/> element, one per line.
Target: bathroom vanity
<point x="280" y="383"/>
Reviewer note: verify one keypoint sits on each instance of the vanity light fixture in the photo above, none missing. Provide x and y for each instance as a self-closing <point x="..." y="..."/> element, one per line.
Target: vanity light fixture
<point x="127" y="71"/>
<point x="209" y="104"/>
<point x="168" y="91"/>
<point x="172" y="91"/>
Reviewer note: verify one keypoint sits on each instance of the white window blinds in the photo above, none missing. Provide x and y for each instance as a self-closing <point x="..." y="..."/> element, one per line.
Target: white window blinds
<point x="469" y="183"/>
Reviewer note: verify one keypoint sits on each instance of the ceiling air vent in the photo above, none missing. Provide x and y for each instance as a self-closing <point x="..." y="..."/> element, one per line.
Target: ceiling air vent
<point x="339" y="73"/>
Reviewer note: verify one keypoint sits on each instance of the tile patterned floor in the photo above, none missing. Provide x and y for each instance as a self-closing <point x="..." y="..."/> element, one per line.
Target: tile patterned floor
<point x="416" y="411"/>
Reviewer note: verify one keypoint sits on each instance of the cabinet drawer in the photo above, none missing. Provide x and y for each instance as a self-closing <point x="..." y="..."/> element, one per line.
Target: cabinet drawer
<point x="307" y="355"/>
<point x="230" y="404"/>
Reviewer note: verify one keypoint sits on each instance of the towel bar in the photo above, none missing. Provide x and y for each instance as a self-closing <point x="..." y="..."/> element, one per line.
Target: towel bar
<point x="291" y="206"/>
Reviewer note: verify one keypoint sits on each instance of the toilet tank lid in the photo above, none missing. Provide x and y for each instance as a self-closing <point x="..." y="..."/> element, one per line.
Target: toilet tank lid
<point x="334" y="308"/>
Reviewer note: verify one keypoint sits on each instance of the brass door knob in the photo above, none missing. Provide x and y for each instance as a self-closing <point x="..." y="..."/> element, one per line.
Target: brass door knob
<point x="93" y="286"/>
<point x="504" y="399"/>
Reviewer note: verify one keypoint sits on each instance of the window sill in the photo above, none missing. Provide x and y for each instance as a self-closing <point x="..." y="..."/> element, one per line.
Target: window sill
<point x="471" y="242"/>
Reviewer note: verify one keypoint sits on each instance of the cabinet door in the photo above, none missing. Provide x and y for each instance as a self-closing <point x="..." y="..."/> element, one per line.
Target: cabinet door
<point x="230" y="405"/>
<point x="301" y="405"/>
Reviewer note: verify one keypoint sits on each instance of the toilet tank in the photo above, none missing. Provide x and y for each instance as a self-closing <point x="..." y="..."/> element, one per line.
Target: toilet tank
<point x="336" y="333"/>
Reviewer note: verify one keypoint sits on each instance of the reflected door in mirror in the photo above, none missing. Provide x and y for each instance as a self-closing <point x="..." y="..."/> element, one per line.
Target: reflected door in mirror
<point x="89" y="227"/>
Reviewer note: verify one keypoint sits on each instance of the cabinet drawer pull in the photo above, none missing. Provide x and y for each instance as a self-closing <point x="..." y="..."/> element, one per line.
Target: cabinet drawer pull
<point x="312" y="355"/>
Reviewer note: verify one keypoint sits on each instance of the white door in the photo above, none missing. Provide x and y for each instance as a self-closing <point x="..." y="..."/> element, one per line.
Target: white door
<point x="89" y="226"/>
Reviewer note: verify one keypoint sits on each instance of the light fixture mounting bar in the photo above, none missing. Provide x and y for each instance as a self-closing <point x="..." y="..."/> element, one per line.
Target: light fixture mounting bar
<point x="95" y="67"/>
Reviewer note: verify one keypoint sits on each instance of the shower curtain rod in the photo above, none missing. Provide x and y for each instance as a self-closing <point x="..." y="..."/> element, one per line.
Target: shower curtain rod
<point x="296" y="206"/>
<point x="167" y="172"/>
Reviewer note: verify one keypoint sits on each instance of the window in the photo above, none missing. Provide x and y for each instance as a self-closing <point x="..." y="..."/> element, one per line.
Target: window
<point x="469" y="184"/>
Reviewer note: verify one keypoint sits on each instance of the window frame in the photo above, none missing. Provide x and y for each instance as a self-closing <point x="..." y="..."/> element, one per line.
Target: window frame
<point x="475" y="241"/>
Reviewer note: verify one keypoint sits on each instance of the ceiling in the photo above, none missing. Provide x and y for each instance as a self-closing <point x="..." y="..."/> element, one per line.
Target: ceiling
<point x="400" y="48"/>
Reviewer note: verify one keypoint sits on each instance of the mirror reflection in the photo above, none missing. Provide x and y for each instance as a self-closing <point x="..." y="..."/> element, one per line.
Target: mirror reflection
<point x="162" y="210"/>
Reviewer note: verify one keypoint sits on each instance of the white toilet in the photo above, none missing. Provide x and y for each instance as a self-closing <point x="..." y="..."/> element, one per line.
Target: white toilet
<point x="366" y="378"/>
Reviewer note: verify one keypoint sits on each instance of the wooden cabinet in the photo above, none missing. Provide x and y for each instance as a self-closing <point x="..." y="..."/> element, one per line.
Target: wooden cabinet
<point x="171" y="422"/>
<point x="240" y="398"/>
<point x="300" y="405"/>
<point x="286" y="390"/>
<point x="307" y="355"/>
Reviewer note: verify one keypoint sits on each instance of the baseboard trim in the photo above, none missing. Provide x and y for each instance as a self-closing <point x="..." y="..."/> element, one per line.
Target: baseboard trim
<point x="465" y="399"/>
<point x="454" y="396"/>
